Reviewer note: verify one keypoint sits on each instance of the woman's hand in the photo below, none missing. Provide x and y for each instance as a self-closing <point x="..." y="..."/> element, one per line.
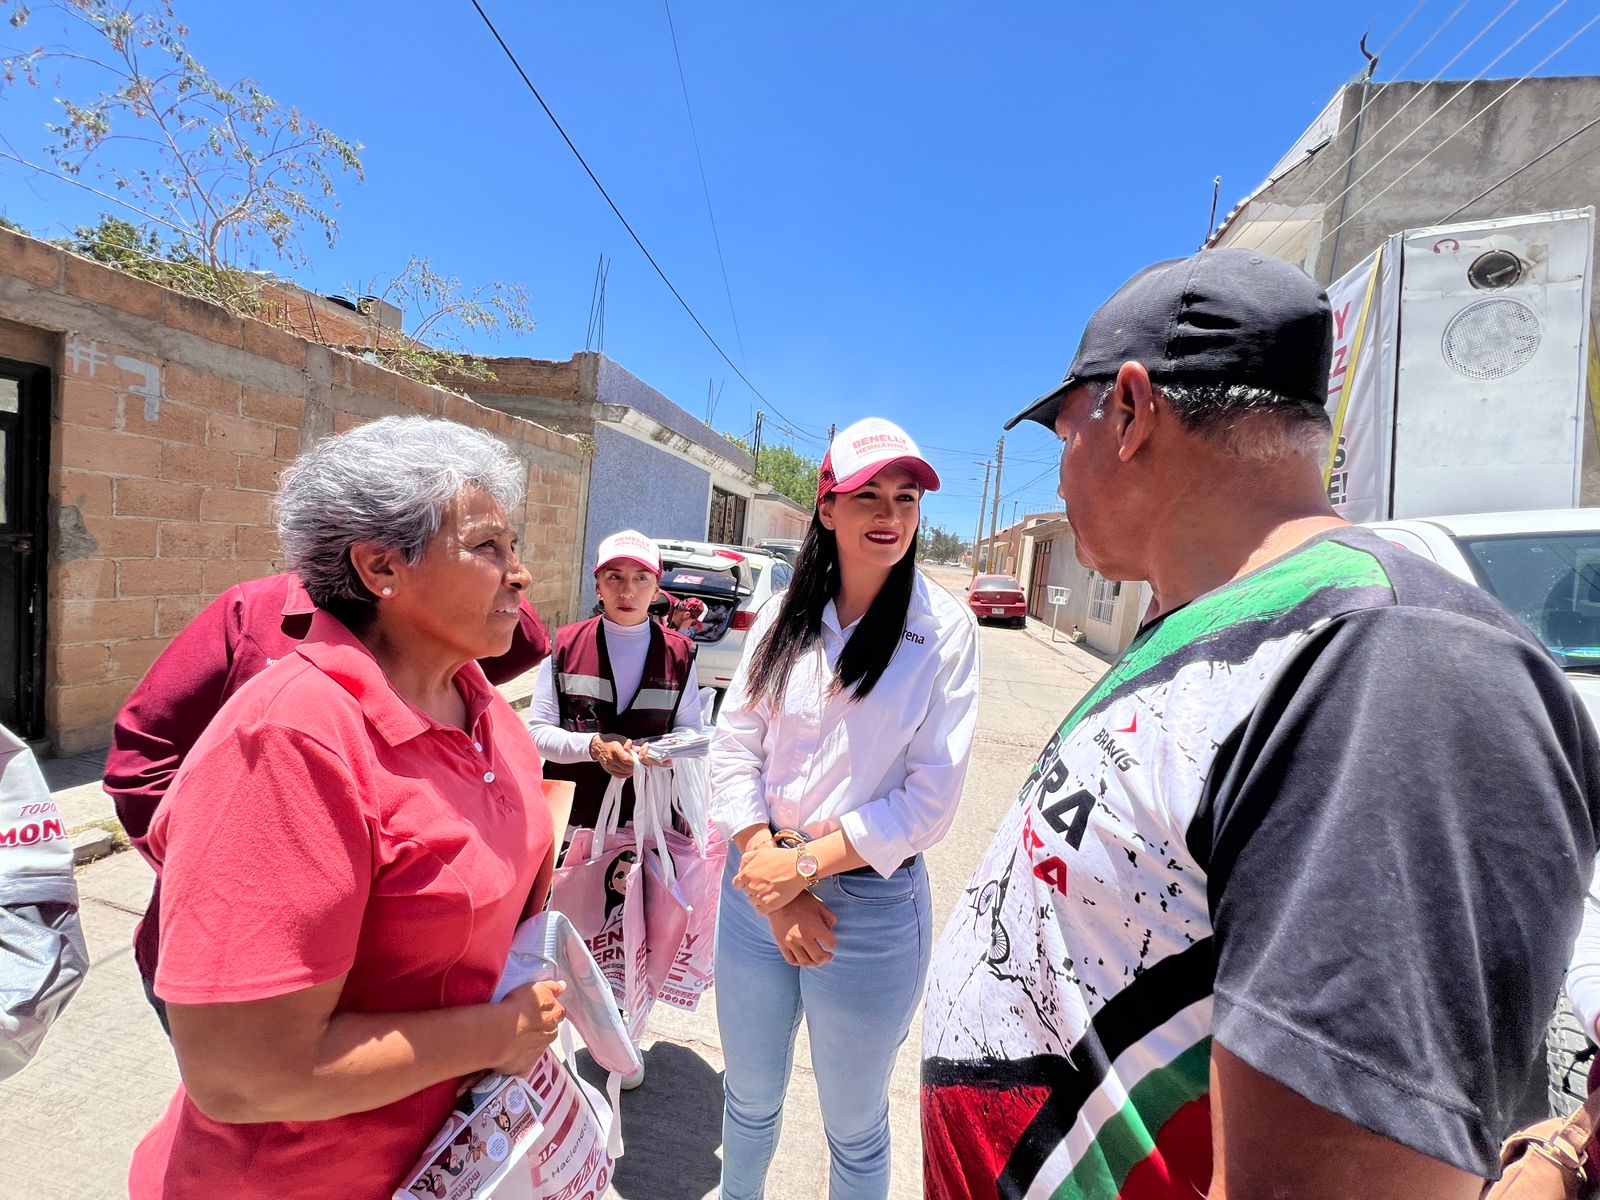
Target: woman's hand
<point x="803" y="929"/>
<point x="539" y="1014"/>
<point x="613" y="752"/>
<point x="767" y="875"/>
<point x="649" y="759"/>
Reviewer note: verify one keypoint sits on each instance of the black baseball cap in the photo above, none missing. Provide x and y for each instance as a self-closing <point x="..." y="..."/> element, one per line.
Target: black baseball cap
<point x="1220" y="316"/>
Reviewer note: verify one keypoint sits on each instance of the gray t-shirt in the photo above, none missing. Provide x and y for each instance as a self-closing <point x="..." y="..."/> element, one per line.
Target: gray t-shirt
<point x="1337" y="815"/>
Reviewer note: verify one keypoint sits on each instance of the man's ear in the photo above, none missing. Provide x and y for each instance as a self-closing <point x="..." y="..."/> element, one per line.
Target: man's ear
<point x="377" y="566"/>
<point x="825" y="511"/>
<point x="1131" y="409"/>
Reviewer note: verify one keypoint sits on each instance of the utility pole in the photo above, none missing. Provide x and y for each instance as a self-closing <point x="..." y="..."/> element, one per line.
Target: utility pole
<point x="978" y="536"/>
<point x="760" y="416"/>
<point x="994" y="514"/>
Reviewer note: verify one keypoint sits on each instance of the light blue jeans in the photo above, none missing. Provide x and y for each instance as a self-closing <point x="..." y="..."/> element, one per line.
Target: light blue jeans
<point x="857" y="1007"/>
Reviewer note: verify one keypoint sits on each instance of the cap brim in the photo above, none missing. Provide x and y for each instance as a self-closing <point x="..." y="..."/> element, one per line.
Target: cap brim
<point x="924" y="472"/>
<point x="1045" y="408"/>
<point x="653" y="568"/>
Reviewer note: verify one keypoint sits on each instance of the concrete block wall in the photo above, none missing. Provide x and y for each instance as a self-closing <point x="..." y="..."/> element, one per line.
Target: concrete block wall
<point x="171" y="422"/>
<point x="633" y="478"/>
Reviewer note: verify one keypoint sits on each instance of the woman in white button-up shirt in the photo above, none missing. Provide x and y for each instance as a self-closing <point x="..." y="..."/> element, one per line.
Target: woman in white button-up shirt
<point x="838" y="758"/>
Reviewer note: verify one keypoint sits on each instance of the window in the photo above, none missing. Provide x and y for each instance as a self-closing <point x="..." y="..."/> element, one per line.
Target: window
<point x="1552" y="582"/>
<point x="782" y="572"/>
<point x="1102" y="598"/>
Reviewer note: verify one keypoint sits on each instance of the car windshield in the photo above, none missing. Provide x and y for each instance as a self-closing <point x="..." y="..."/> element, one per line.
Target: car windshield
<point x="998" y="583"/>
<point x="1552" y="582"/>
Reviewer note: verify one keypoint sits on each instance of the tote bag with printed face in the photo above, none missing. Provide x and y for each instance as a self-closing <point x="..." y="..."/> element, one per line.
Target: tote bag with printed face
<point x="602" y="894"/>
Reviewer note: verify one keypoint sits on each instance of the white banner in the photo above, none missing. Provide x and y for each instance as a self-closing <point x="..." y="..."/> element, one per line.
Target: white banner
<point x="1366" y="312"/>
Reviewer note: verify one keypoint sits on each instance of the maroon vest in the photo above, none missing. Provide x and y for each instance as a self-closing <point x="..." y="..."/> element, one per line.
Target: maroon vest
<point x="586" y="695"/>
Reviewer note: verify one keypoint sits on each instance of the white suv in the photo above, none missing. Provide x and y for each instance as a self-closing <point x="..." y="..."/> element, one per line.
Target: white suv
<point x="734" y="582"/>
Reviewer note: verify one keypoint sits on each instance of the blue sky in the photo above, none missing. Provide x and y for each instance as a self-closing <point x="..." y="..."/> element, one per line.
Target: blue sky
<point x="919" y="203"/>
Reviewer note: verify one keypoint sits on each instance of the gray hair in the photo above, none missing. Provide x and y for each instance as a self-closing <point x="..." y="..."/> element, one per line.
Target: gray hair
<point x="387" y="482"/>
<point x="1250" y="423"/>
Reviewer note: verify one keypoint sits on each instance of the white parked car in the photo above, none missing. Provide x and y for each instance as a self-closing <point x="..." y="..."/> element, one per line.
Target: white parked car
<point x="734" y="582"/>
<point x="1543" y="565"/>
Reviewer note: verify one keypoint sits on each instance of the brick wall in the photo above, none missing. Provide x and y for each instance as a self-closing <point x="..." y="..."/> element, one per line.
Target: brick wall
<point x="171" y="422"/>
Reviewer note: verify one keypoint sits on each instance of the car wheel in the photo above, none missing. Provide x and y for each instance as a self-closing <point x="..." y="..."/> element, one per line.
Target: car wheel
<point x="1020" y="622"/>
<point x="1569" y="1052"/>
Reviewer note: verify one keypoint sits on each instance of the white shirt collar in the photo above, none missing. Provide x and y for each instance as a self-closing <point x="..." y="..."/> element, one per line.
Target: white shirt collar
<point x="613" y="630"/>
<point x="830" y="621"/>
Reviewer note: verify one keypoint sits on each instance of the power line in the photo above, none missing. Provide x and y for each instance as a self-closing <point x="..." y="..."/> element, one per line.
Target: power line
<point x="704" y="186"/>
<point x="1537" y="158"/>
<point x="1400" y="28"/>
<point x="1417" y="53"/>
<point x="1350" y="184"/>
<point x="1583" y="29"/>
<point x="1022" y="487"/>
<point x="637" y="240"/>
<point x="1449" y="101"/>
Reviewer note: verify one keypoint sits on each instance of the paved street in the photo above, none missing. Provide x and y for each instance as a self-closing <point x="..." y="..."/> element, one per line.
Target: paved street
<point x="106" y="1071"/>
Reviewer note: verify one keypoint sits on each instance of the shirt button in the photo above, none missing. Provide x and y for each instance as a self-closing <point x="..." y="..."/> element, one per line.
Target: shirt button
<point x="478" y="746"/>
<point x="488" y="776"/>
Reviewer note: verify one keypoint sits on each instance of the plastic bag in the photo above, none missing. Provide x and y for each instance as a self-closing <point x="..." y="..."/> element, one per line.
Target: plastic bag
<point x="582" y="1139"/>
<point x="547" y="947"/>
<point x="42" y="953"/>
<point x="692" y="869"/>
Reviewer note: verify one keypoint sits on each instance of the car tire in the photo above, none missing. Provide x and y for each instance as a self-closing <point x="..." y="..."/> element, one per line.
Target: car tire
<point x="1569" y="1053"/>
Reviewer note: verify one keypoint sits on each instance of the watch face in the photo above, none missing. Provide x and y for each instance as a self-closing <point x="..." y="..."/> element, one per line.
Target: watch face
<point x="806" y="865"/>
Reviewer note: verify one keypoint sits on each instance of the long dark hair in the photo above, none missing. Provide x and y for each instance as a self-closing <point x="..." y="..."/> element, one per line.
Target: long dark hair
<point x="816" y="581"/>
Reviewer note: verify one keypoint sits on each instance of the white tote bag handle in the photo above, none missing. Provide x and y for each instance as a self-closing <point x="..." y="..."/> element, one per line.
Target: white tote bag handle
<point x="610" y="815"/>
<point x="652" y="811"/>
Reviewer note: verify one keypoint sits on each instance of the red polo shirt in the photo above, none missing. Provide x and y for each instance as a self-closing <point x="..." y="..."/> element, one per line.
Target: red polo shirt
<point x="323" y="826"/>
<point x="241" y="633"/>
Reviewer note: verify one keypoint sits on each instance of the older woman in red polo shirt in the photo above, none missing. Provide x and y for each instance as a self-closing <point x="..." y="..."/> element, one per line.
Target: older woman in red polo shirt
<point x="348" y="848"/>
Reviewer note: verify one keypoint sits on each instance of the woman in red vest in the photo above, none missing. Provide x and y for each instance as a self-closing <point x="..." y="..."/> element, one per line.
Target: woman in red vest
<point x="611" y="680"/>
<point x="838" y="759"/>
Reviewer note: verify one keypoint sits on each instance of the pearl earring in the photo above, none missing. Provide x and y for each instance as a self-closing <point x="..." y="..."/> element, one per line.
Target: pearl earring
<point x="388" y="591"/>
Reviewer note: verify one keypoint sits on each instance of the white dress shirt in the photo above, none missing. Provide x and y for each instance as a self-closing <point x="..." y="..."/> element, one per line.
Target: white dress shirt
<point x="887" y="770"/>
<point x="1583" y="975"/>
<point x="626" y="647"/>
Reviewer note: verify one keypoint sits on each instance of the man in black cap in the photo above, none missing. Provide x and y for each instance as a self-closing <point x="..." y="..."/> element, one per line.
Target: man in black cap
<point x="1284" y="905"/>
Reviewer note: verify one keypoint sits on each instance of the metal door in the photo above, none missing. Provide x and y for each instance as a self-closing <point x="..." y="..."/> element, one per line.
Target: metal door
<point x="24" y="427"/>
<point x="1039" y="578"/>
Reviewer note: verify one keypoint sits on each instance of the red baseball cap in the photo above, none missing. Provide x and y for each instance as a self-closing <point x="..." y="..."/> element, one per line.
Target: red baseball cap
<point x="861" y="450"/>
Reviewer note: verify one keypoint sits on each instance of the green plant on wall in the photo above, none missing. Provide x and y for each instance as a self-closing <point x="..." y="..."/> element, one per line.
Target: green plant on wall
<point x="447" y="313"/>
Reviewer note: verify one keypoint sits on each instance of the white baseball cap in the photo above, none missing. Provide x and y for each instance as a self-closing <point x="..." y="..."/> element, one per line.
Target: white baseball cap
<point x="632" y="545"/>
<point x="861" y="450"/>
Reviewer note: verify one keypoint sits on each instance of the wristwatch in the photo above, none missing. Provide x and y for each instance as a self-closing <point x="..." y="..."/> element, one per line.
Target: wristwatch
<point x="805" y="866"/>
<point x="805" y="863"/>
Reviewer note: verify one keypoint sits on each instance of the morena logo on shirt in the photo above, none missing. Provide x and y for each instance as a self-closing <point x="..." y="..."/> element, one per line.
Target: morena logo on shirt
<point x="916" y="638"/>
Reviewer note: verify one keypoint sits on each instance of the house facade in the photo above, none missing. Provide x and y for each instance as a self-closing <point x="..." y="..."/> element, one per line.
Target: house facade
<point x="142" y="434"/>
<point x="655" y="468"/>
